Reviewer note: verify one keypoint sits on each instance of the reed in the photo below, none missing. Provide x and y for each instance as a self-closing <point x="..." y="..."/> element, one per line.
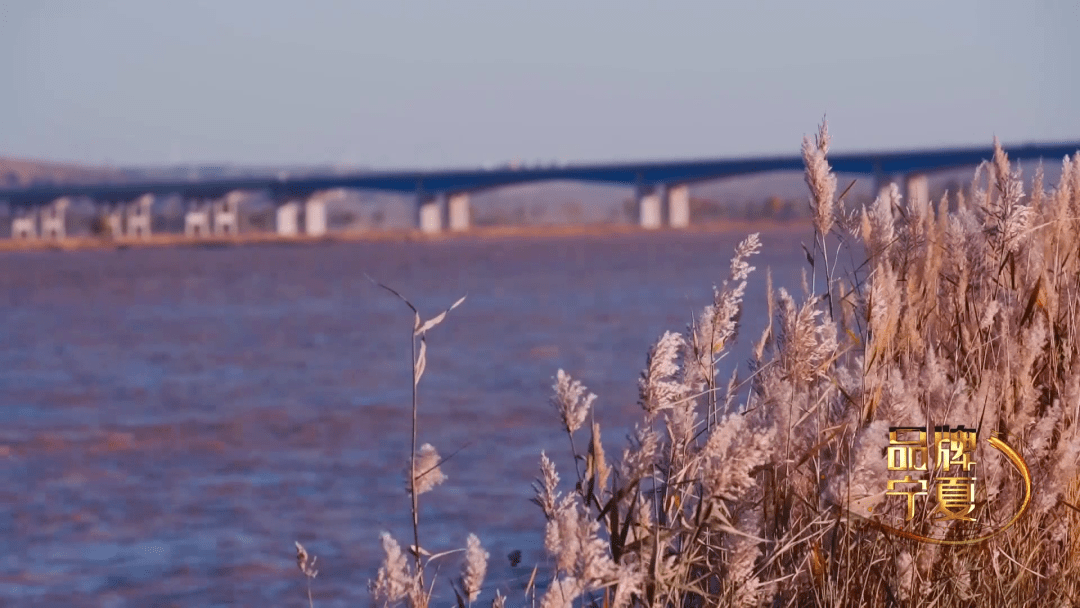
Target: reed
<point x="758" y="492"/>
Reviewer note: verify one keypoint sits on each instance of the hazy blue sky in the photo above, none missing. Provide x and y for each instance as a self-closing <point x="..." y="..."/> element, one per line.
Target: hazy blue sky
<point x="411" y="83"/>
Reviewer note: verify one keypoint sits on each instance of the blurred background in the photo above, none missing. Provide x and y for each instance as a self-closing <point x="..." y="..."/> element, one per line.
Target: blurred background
<point x="434" y="84"/>
<point x="152" y="90"/>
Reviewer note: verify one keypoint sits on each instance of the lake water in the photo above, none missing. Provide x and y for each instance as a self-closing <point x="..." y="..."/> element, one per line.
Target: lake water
<point x="173" y="419"/>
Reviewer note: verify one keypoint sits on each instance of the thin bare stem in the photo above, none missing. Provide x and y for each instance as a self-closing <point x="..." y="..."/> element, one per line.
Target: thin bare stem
<point x="412" y="467"/>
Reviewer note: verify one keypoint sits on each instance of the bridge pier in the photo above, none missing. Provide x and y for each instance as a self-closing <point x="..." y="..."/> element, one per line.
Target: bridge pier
<point x="429" y="214"/>
<point x="315" y="216"/>
<point x="917" y="189"/>
<point x="457" y="207"/>
<point x="678" y="205"/>
<point x="113" y="216"/>
<point x="53" y="220"/>
<point x="287" y="219"/>
<point x="24" y="224"/>
<point x="648" y="208"/>
<point x="882" y="184"/>
<point x="138" y="218"/>
<point x="226" y="214"/>
<point x="197" y="220"/>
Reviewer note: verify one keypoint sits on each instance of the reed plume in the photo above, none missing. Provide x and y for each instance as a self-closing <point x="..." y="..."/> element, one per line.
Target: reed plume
<point x="772" y="491"/>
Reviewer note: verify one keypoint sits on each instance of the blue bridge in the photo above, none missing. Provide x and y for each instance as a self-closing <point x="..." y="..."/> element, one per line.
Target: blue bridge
<point x="442" y="196"/>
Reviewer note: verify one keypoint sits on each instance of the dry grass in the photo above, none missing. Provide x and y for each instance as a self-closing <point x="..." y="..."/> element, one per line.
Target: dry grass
<point x="754" y="493"/>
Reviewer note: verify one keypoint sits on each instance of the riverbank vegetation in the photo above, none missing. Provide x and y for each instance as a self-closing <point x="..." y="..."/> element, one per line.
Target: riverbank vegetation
<point x="769" y="489"/>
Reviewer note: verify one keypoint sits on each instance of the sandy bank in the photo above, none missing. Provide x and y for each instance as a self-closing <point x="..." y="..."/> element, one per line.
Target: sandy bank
<point x="487" y="232"/>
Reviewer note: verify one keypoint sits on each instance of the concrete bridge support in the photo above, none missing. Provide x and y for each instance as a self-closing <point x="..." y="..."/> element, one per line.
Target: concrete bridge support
<point x="918" y="189"/>
<point x="24" y="225"/>
<point x="197" y="220"/>
<point x="678" y="205"/>
<point x="315" y="217"/>
<point x="226" y="216"/>
<point x="287" y="219"/>
<point x="114" y="220"/>
<point x="648" y="208"/>
<point x="429" y="213"/>
<point x="882" y="183"/>
<point x="458" y="211"/>
<point x="53" y="220"/>
<point x="138" y="218"/>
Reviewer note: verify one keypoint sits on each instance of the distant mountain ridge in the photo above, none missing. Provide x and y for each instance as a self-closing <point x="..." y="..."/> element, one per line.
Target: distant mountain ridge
<point x="21" y="173"/>
<point x="15" y="173"/>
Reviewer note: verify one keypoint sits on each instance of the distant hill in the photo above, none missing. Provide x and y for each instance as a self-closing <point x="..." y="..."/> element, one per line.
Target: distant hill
<point x="22" y="173"/>
<point x="15" y="173"/>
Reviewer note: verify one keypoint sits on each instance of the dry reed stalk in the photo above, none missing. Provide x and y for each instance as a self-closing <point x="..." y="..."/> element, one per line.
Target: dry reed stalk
<point x="968" y="315"/>
<point x="397" y="581"/>
<point x="956" y="321"/>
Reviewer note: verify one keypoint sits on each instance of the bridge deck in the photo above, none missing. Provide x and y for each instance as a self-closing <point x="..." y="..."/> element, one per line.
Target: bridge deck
<point x="447" y="181"/>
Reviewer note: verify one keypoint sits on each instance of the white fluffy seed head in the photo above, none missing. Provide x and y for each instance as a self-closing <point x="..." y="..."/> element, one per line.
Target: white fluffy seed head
<point x="428" y="474"/>
<point x="820" y="179"/>
<point x="571" y="401"/>
<point x="660" y="386"/>
<point x="561" y="593"/>
<point x="395" y="581"/>
<point x="474" y="568"/>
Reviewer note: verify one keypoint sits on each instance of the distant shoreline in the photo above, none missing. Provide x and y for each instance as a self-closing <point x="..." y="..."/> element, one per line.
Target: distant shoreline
<point x="83" y="243"/>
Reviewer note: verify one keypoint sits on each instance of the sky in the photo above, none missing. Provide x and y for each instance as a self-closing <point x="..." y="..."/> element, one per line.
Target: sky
<point x="436" y="84"/>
